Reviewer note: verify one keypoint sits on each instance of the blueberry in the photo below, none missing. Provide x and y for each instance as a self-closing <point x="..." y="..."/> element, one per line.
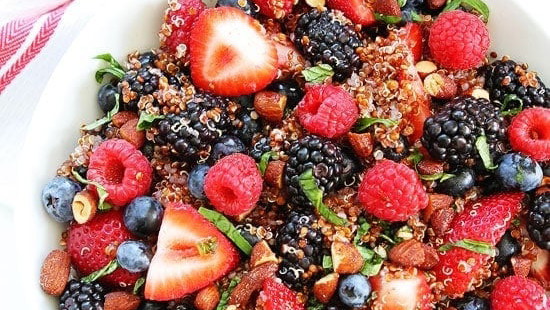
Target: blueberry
<point x="248" y="129"/>
<point x="463" y="180"/>
<point x="354" y="291"/>
<point x="134" y="256"/>
<point x="57" y="198"/>
<point x="152" y="305"/>
<point x="147" y="59"/>
<point x="517" y="171"/>
<point x="290" y="88"/>
<point x="143" y="216"/>
<point x="246" y="6"/>
<point x="226" y="146"/>
<point x="507" y="247"/>
<point x="472" y="303"/>
<point x="106" y="98"/>
<point x="196" y="181"/>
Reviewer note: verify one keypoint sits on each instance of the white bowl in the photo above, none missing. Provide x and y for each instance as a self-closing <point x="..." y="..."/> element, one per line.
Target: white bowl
<point x="69" y="101"/>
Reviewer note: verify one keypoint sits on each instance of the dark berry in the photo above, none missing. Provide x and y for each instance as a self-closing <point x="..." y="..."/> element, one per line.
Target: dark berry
<point x="226" y="145"/>
<point x="248" y="232"/>
<point x="134" y="256"/>
<point x="147" y="59"/>
<point x="57" y="198"/>
<point x="463" y="180"/>
<point x="143" y="216"/>
<point x="260" y="147"/>
<point x="196" y="181"/>
<point x="106" y="97"/>
<point x="246" y="6"/>
<point x="291" y="89"/>
<point x="148" y="149"/>
<point x="152" y="305"/>
<point x="538" y="221"/>
<point x="471" y="302"/>
<point x="397" y="153"/>
<point x="247" y="126"/>
<point x="354" y="290"/>
<point x="517" y="171"/>
<point x="80" y="295"/>
<point x="507" y="247"/>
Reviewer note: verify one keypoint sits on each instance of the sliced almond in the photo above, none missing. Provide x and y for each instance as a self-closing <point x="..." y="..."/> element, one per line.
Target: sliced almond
<point x="274" y="173"/>
<point x="84" y="206"/>
<point x="440" y="86"/>
<point x="346" y="258"/>
<point x="251" y="283"/>
<point x="207" y="298"/>
<point x="261" y="254"/>
<point x="121" y="301"/>
<point x="362" y="143"/>
<point x="408" y="253"/>
<point x="325" y="287"/>
<point x="425" y="67"/>
<point x="54" y="273"/>
<point x="480" y="93"/>
<point x="270" y="105"/>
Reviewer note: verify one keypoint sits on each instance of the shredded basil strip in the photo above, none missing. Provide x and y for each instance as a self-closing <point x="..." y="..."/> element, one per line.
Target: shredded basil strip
<point x="225" y="226"/>
<point x="471" y="245"/>
<point x="107" y="118"/>
<point x="224" y="299"/>
<point x="476" y="5"/>
<point x="264" y="160"/>
<point x="505" y="111"/>
<point x="114" y="68"/>
<point x="366" y="122"/>
<point x="101" y="191"/>
<point x="361" y="231"/>
<point x="146" y="120"/>
<point x="373" y="261"/>
<point x="139" y="283"/>
<point x="484" y="152"/>
<point x="315" y="195"/>
<point x="108" y="269"/>
<point x="317" y="74"/>
<point x="327" y="262"/>
<point x="437" y="177"/>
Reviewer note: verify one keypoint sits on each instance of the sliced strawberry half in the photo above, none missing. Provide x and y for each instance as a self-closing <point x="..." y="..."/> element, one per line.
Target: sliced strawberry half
<point x="358" y="11"/>
<point x="230" y="54"/>
<point x="191" y="254"/>
<point x="401" y="290"/>
<point x="275" y="8"/>
<point x="411" y="34"/>
<point x="276" y="296"/>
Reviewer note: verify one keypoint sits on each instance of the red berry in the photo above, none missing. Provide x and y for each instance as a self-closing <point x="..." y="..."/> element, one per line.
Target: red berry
<point x="529" y="133"/>
<point x="459" y="40"/>
<point x="358" y="11"/>
<point x="121" y="169"/>
<point x="93" y="245"/>
<point x="401" y="290"/>
<point x="392" y="191"/>
<point x="486" y="219"/>
<point x="518" y="293"/>
<point x="276" y="296"/>
<point x="230" y="54"/>
<point x="178" y="22"/>
<point x="412" y="36"/>
<point x="327" y="110"/>
<point x="234" y="184"/>
<point x="275" y="8"/>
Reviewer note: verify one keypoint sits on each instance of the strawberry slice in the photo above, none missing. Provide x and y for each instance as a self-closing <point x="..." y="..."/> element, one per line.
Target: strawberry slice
<point x="230" y="54"/>
<point x="401" y="290"/>
<point x="276" y="296"/>
<point x="275" y="8"/>
<point x="387" y="7"/>
<point x="358" y="11"/>
<point x="191" y="254"/>
<point x="411" y="34"/>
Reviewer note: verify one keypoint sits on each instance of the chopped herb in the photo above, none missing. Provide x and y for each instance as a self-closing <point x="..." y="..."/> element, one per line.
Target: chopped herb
<point x="101" y="191"/>
<point x="475" y="5"/>
<point x="373" y="261"/>
<point x="415" y="157"/>
<point x="484" y="152"/>
<point x="108" y="269"/>
<point x="361" y="231"/>
<point x="388" y="19"/>
<point x="437" y="177"/>
<point x="366" y="122"/>
<point x="114" y="68"/>
<point x="224" y="299"/>
<point x="139" y="283"/>
<point x="327" y="262"/>
<point x="506" y="111"/>
<point x="314" y="304"/>
<point x="107" y="118"/>
<point x="471" y="245"/>
<point x="401" y="3"/>
<point x="264" y="160"/>
<point x="404" y="233"/>
<point x="317" y="74"/>
<point x="225" y="226"/>
<point x="516" y="222"/>
<point x="146" y="120"/>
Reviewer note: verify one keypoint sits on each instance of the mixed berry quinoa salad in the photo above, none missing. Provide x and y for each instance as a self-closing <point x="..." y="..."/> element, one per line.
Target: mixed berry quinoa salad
<point x="287" y="155"/>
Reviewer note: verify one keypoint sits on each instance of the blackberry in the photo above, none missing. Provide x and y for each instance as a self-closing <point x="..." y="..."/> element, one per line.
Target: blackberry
<point x="323" y="157"/>
<point x="191" y="133"/>
<point x="506" y="77"/>
<point x="323" y="38"/>
<point x="451" y="134"/>
<point x="538" y="221"/>
<point x="260" y="147"/>
<point x="80" y="295"/>
<point x="245" y="127"/>
<point x="299" y="242"/>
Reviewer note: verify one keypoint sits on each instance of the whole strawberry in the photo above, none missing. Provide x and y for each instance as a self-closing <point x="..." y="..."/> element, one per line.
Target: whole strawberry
<point x="518" y="293"/>
<point x="93" y="245"/>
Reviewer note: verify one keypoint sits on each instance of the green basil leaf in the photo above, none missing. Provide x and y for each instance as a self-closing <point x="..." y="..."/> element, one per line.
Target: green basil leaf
<point x="108" y="269"/>
<point x="361" y="231"/>
<point x="415" y="157"/>
<point x="373" y="261"/>
<point x="437" y="177"/>
<point x="365" y="122"/>
<point x="110" y="59"/>
<point x="484" y="152"/>
<point x="226" y="227"/>
<point x="264" y="160"/>
<point x="146" y="120"/>
<point x="107" y="118"/>
<point x="314" y="304"/>
<point x="388" y="19"/>
<point x="318" y="74"/>
<point x="139" y="283"/>
<point x="101" y="191"/>
<point x="505" y="111"/>
<point x="224" y="299"/>
<point x="452" y="5"/>
<point x="327" y="262"/>
<point x="478" y="6"/>
<point x="401" y="3"/>
<point x="315" y="195"/>
<point x="471" y="245"/>
<point x="100" y="74"/>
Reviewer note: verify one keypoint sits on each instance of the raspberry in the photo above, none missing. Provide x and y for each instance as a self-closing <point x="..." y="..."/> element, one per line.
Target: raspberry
<point x="529" y="133"/>
<point x="121" y="169"/>
<point x="392" y="191"/>
<point x="93" y="245"/>
<point x="234" y="184"/>
<point x="327" y="110"/>
<point x="178" y="22"/>
<point x="459" y="40"/>
<point x="518" y="293"/>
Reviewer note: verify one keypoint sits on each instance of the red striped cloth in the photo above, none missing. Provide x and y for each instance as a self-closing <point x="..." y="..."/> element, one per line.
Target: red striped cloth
<point x="19" y="44"/>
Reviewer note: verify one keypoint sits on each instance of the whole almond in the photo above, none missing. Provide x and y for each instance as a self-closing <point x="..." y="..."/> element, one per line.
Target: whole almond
<point x="436" y="202"/>
<point x="129" y="132"/>
<point x="440" y="86"/>
<point x="270" y="105"/>
<point x="54" y="273"/>
<point x="346" y="258"/>
<point x="274" y="173"/>
<point x="425" y="67"/>
<point x="325" y="287"/>
<point x="408" y="253"/>
<point x="362" y="143"/>
<point x="121" y="301"/>
<point x="262" y="253"/>
<point x="250" y="283"/>
<point x="123" y="117"/>
<point x="207" y="298"/>
<point x="84" y="206"/>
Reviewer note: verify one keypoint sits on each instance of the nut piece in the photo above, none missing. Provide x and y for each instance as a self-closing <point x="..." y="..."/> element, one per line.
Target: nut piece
<point x="251" y="282"/>
<point x="430" y="167"/>
<point x="274" y="173"/>
<point x="441" y="220"/>
<point x="440" y="86"/>
<point x="436" y="4"/>
<point x="437" y="201"/>
<point x="425" y="67"/>
<point x="361" y="143"/>
<point x="54" y="274"/>
<point x="207" y="298"/>
<point x="123" y="117"/>
<point x="325" y="287"/>
<point x="480" y="93"/>
<point x="408" y="253"/>
<point x="84" y="206"/>
<point x="431" y="258"/>
<point x="262" y="253"/>
<point x="346" y="258"/>
<point x="270" y="105"/>
<point x="121" y="301"/>
<point x="129" y="132"/>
